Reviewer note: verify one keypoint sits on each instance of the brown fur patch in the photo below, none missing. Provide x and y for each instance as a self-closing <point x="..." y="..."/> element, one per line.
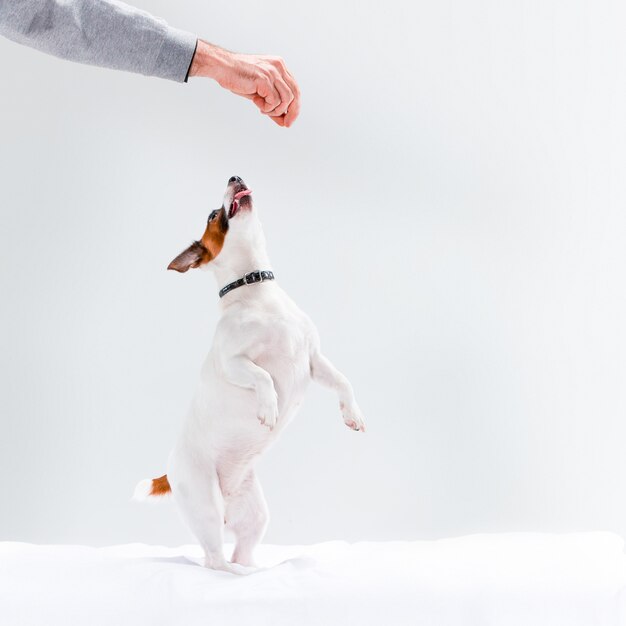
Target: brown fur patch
<point x="204" y="251"/>
<point x="215" y="233"/>
<point x="160" y="486"/>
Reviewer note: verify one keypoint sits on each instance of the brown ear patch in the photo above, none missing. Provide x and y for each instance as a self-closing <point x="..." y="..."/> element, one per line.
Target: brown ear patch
<point x="215" y="232"/>
<point x="201" y="252"/>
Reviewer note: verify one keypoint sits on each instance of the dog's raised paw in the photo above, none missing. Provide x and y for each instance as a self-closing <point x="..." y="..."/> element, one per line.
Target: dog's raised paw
<point x="352" y="417"/>
<point x="267" y="413"/>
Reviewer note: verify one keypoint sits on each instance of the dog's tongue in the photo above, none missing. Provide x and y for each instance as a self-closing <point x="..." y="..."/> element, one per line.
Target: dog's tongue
<point x="242" y="193"/>
<point x="238" y="196"/>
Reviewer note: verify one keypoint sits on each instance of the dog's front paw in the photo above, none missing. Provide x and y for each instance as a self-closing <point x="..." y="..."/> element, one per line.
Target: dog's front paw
<point x="352" y="416"/>
<point x="267" y="411"/>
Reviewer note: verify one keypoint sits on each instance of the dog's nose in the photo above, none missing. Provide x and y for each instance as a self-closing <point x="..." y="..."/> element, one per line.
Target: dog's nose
<point x="235" y="179"/>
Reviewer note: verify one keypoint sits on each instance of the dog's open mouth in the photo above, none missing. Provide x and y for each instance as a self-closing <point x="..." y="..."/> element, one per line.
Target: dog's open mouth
<point x="234" y="206"/>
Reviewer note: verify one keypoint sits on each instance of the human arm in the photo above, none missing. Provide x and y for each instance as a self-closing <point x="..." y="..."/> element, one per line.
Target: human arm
<point x="109" y="33"/>
<point x="106" y="33"/>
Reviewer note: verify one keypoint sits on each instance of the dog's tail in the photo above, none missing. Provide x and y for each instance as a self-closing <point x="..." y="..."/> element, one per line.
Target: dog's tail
<point x="155" y="487"/>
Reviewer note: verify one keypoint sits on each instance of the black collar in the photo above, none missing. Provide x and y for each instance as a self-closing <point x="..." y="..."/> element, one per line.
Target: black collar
<point x="258" y="276"/>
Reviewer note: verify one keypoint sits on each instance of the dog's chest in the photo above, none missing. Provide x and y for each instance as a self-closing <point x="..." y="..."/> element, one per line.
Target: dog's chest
<point x="283" y="350"/>
<point x="277" y="339"/>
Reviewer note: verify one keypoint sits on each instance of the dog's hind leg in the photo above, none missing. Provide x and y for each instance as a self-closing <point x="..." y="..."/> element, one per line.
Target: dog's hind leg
<point x="196" y="491"/>
<point x="247" y="517"/>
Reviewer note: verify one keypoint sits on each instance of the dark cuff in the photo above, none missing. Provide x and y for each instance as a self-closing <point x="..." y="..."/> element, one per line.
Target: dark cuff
<point x="190" y="62"/>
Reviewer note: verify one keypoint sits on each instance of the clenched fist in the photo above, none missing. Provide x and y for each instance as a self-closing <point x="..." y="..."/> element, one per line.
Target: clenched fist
<point x="263" y="79"/>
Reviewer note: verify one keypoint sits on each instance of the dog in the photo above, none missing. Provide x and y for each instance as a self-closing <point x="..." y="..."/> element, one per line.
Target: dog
<point x="265" y="352"/>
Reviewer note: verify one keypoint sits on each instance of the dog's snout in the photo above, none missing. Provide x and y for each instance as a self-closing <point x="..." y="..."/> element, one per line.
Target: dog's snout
<point x="235" y="179"/>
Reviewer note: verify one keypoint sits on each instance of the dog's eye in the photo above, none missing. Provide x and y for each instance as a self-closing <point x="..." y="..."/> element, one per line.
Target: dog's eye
<point x="212" y="216"/>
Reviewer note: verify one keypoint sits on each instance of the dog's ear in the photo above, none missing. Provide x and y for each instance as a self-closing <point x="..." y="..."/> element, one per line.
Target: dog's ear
<point x="196" y="254"/>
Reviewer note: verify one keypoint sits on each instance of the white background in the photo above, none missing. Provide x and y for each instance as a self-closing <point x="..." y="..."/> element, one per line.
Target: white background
<point x="449" y="209"/>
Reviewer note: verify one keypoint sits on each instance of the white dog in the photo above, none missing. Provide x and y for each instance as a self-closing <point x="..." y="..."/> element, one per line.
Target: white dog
<point x="265" y="352"/>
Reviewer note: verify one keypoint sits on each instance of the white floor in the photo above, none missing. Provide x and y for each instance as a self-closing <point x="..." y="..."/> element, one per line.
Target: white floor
<point x="483" y="580"/>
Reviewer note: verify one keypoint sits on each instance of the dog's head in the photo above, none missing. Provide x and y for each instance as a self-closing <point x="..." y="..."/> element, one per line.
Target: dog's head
<point x="230" y="228"/>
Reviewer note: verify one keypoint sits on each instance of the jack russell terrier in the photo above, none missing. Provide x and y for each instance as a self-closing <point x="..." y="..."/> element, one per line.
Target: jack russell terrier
<point x="265" y="352"/>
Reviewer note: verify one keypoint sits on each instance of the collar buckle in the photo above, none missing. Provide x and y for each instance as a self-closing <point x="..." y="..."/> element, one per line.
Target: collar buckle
<point x="252" y="277"/>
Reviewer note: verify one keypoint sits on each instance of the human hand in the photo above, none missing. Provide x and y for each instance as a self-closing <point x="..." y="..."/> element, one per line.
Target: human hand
<point x="263" y="79"/>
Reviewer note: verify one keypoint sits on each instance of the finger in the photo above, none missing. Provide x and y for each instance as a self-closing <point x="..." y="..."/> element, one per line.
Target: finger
<point x="294" y="107"/>
<point x="291" y="81"/>
<point x="280" y="64"/>
<point x="292" y="114"/>
<point x="268" y="92"/>
<point x="259" y="102"/>
<point x="286" y="97"/>
<point x="277" y="120"/>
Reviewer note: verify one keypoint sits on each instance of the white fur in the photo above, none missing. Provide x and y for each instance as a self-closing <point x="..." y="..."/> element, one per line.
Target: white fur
<point x="265" y="352"/>
<point x="142" y="490"/>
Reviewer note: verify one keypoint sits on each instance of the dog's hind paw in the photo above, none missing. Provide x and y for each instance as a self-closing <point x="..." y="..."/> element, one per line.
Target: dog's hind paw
<point x="231" y="568"/>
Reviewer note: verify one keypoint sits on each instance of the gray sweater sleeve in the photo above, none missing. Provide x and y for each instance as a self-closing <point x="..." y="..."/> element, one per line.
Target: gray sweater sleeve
<point x="107" y="33"/>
